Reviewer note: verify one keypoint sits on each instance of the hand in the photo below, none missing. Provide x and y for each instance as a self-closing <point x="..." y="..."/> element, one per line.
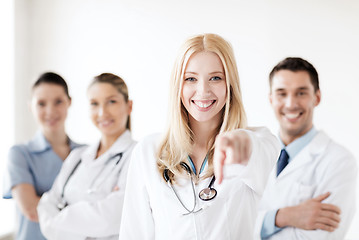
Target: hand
<point x="309" y="215"/>
<point x="231" y="147"/>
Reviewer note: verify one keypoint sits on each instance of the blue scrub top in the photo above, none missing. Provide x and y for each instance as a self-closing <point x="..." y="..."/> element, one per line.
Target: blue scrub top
<point x="37" y="164"/>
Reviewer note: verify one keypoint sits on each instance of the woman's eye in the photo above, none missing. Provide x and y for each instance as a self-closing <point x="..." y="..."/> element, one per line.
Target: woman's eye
<point x="41" y="104"/>
<point x="58" y="102"/>
<point x="112" y="101"/>
<point x="94" y="104"/>
<point x="191" y="79"/>
<point x="216" y="78"/>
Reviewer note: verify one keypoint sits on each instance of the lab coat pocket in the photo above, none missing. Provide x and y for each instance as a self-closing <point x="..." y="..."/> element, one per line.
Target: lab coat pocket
<point x="305" y="192"/>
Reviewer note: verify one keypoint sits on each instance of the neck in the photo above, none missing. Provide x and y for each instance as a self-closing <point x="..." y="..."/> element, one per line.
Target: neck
<point x="106" y="142"/>
<point x="203" y="134"/>
<point x="289" y="137"/>
<point x="56" y="138"/>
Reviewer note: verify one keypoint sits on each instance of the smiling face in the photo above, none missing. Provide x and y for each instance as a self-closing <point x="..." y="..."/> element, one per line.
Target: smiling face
<point x="293" y="100"/>
<point x="49" y="104"/>
<point x="204" y="89"/>
<point x="109" y="111"/>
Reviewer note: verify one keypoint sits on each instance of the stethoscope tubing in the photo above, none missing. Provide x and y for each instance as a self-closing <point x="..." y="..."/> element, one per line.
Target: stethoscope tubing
<point x="189" y="172"/>
<point x="62" y="204"/>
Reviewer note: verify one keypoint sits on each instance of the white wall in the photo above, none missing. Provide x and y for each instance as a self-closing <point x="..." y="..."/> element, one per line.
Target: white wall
<point x="138" y="40"/>
<point x="7" y="217"/>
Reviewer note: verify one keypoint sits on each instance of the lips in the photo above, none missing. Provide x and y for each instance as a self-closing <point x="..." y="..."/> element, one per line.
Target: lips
<point x="52" y="121"/>
<point x="105" y="123"/>
<point x="203" y="104"/>
<point x="292" y="116"/>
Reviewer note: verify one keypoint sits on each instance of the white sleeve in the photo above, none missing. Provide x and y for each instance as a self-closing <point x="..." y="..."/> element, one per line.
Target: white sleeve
<point x="265" y="149"/>
<point x="101" y="218"/>
<point x="47" y="207"/>
<point x="137" y="220"/>
<point x="340" y="180"/>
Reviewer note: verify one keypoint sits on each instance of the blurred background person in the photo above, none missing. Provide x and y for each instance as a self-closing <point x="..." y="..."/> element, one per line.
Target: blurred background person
<point x="33" y="167"/>
<point x="86" y="199"/>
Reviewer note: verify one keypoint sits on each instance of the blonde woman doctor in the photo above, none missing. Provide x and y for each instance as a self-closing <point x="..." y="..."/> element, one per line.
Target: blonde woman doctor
<point x="86" y="199"/>
<point x="171" y="191"/>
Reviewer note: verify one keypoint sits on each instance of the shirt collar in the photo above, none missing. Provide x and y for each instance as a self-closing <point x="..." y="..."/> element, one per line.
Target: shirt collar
<point x="40" y="144"/>
<point x="297" y="145"/>
<point x="122" y="143"/>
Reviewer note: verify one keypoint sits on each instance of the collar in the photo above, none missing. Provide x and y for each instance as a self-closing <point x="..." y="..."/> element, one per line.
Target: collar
<point x="40" y="144"/>
<point x="297" y="145"/>
<point x="122" y="143"/>
<point x="203" y="166"/>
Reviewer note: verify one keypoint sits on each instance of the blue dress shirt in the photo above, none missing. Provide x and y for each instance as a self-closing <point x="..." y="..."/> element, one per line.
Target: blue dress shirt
<point x="268" y="227"/>
<point x="37" y="164"/>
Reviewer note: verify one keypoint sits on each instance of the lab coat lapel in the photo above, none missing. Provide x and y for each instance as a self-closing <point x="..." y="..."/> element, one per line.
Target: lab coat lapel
<point x="306" y="156"/>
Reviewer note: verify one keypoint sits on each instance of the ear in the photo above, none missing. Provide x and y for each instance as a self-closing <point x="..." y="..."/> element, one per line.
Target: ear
<point x="318" y="97"/>
<point x="270" y="97"/>
<point x="129" y="107"/>
<point x="30" y="106"/>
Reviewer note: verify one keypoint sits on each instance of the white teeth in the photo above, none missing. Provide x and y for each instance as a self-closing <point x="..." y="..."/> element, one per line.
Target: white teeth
<point x="292" y="115"/>
<point x="203" y="105"/>
<point x="104" y="122"/>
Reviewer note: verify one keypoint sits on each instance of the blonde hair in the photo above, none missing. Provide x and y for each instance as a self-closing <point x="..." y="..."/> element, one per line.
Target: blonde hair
<point x="118" y="83"/>
<point x="177" y="142"/>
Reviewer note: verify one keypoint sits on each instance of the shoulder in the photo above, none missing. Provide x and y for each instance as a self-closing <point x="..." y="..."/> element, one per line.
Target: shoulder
<point x="19" y="152"/>
<point x="260" y="131"/>
<point x="332" y="150"/>
<point x="146" y="149"/>
<point x="19" y="148"/>
<point x="149" y="142"/>
<point x="74" y="156"/>
<point x="263" y="136"/>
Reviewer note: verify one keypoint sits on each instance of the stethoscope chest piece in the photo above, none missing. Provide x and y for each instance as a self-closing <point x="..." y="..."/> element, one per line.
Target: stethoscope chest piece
<point x="62" y="204"/>
<point x="207" y="194"/>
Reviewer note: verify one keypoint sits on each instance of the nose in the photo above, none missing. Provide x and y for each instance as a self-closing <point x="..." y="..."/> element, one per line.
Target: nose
<point x="291" y="101"/>
<point x="102" y="110"/>
<point x="203" y="87"/>
<point x="50" y="109"/>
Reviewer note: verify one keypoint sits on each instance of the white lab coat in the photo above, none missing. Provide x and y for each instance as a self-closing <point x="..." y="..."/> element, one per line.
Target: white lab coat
<point x="94" y="215"/>
<point x="152" y="211"/>
<point x="322" y="166"/>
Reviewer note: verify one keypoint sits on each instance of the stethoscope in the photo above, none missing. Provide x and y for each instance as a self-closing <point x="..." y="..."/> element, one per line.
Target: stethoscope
<point x="205" y="194"/>
<point x="63" y="203"/>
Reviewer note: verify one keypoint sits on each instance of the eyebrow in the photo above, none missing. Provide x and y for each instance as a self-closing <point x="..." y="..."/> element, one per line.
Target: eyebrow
<point x="215" y="72"/>
<point x="300" y="88"/>
<point x="109" y="97"/>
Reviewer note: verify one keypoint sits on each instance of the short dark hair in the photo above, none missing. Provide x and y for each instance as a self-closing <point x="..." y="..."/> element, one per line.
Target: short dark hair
<point x="52" y="78"/>
<point x="296" y="64"/>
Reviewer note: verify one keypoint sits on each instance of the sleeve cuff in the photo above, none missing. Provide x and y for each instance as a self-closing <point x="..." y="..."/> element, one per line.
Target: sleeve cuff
<point x="268" y="227"/>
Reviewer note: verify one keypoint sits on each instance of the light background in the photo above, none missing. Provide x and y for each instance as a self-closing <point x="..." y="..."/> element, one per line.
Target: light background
<point x="139" y="39"/>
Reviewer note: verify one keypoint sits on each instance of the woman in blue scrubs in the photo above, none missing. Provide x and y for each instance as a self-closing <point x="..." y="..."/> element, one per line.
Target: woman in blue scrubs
<point x="33" y="166"/>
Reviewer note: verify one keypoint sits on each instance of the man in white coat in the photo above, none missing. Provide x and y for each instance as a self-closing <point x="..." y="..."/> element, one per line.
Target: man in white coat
<point x="311" y="192"/>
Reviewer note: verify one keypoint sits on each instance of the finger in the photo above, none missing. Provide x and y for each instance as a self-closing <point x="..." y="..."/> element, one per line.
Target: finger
<point x="324" y="227"/>
<point x="328" y="221"/>
<point x="219" y="157"/>
<point x="218" y="162"/>
<point x="331" y="208"/>
<point x="330" y="215"/>
<point x="322" y="197"/>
